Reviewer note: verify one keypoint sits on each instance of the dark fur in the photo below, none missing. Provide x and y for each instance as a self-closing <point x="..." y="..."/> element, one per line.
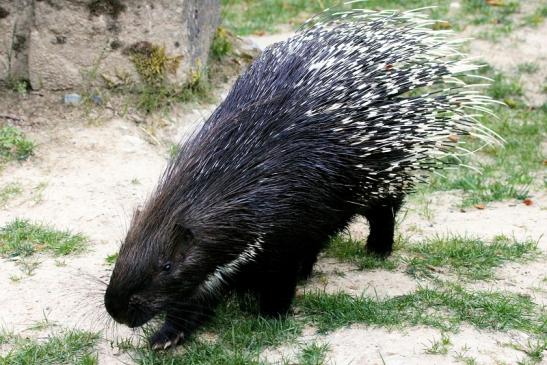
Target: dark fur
<point x="269" y="165"/>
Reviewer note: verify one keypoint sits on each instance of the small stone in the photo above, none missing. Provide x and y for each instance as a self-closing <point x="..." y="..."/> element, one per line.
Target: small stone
<point x="72" y="99"/>
<point x="97" y="99"/>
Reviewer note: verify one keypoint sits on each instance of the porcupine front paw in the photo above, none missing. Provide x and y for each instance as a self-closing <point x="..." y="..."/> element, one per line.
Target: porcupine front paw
<point x="168" y="336"/>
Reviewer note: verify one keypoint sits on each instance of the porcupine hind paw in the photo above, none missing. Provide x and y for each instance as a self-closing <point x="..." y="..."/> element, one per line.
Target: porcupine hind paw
<point x="168" y="336"/>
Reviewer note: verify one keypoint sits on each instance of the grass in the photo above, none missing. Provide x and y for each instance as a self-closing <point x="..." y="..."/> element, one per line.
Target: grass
<point x="444" y="308"/>
<point x="346" y="249"/>
<point x="247" y="17"/>
<point x="172" y="150"/>
<point x="440" y="346"/>
<point x="506" y="172"/>
<point x="28" y="266"/>
<point x="528" y="68"/>
<point x="9" y="192"/>
<point x="71" y="347"/>
<point x="479" y="12"/>
<point x="537" y="17"/>
<point x="251" y="16"/>
<point x="236" y="337"/>
<point x="14" y="146"/>
<point x="313" y="354"/>
<point x="221" y="45"/>
<point x="502" y="87"/>
<point x="233" y="337"/>
<point x="467" y="257"/>
<point x="534" y="348"/>
<point x="509" y="171"/>
<point x="151" y="97"/>
<point x="23" y="238"/>
<point x="111" y="259"/>
<point x="38" y="192"/>
<point x="155" y="91"/>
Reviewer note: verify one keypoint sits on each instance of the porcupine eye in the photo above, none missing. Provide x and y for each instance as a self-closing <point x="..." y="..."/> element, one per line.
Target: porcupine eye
<point x="166" y="267"/>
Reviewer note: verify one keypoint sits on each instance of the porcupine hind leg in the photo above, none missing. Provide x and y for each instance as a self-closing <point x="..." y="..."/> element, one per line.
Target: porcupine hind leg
<point x="381" y="219"/>
<point x="305" y="268"/>
<point x="179" y="324"/>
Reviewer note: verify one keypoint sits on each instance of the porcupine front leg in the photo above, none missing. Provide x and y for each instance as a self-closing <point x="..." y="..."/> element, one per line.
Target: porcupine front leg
<point x="276" y="293"/>
<point x="381" y="219"/>
<point x="179" y="325"/>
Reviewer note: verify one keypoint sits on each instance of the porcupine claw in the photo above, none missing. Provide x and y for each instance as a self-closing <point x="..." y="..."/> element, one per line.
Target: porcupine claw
<point x="162" y="341"/>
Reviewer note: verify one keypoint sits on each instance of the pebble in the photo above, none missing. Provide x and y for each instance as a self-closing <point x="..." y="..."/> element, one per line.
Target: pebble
<point x="72" y="99"/>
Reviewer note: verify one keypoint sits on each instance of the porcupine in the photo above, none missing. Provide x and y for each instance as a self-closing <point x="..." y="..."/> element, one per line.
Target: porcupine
<point x="342" y="119"/>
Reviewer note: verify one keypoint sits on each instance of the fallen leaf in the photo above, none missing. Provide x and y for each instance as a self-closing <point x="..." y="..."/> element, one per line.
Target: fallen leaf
<point x="480" y="206"/>
<point x="495" y="2"/>
<point x="528" y="201"/>
<point x="441" y="25"/>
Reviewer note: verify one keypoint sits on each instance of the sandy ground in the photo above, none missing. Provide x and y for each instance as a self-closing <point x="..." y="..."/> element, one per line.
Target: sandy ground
<point x="378" y="346"/>
<point x="524" y="45"/>
<point x="90" y="178"/>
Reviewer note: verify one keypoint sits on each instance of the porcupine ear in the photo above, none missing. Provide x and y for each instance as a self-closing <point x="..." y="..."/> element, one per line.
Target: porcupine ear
<point x="182" y="234"/>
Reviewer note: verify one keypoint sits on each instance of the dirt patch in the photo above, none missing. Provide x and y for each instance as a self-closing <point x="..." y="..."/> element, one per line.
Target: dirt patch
<point x="510" y="218"/>
<point x="366" y="345"/>
<point x="522" y="46"/>
<point x="527" y="279"/>
<point x="332" y="276"/>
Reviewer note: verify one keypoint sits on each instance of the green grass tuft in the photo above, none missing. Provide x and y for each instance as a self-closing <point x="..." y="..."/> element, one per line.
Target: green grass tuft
<point x="8" y="192"/>
<point x="439" y="347"/>
<point x="23" y="238"/>
<point x="444" y="308"/>
<point x="237" y="338"/>
<point x="221" y="45"/>
<point x="346" y="249"/>
<point x="504" y="89"/>
<point x="14" y="145"/>
<point x="111" y="259"/>
<point x="528" y="68"/>
<point x="72" y="347"/>
<point x="313" y="354"/>
<point x="537" y="17"/>
<point x="468" y="257"/>
<point x="173" y="150"/>
<point x="159" y="96"/>
<point x="506" y="172"/>
<point x="480" y="12"/>
<point x="248" y="16"/>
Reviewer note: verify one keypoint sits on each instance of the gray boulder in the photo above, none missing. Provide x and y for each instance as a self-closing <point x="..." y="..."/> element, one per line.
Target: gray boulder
<point x="64" y="44"/>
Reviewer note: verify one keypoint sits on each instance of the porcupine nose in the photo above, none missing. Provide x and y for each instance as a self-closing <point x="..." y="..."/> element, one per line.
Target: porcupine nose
<point x="116" y="305"/>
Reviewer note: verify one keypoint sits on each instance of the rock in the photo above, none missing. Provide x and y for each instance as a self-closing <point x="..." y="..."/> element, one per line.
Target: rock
<point x="245" y="48"/>
<point x="97" y="99"/>
<point x="72" y="99"/>
<point x="15" y="16"/>
<point x="70" y="43"/>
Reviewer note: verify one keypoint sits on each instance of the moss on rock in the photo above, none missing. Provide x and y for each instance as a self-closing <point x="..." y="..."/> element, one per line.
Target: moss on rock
<point x="109" y="7"/>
